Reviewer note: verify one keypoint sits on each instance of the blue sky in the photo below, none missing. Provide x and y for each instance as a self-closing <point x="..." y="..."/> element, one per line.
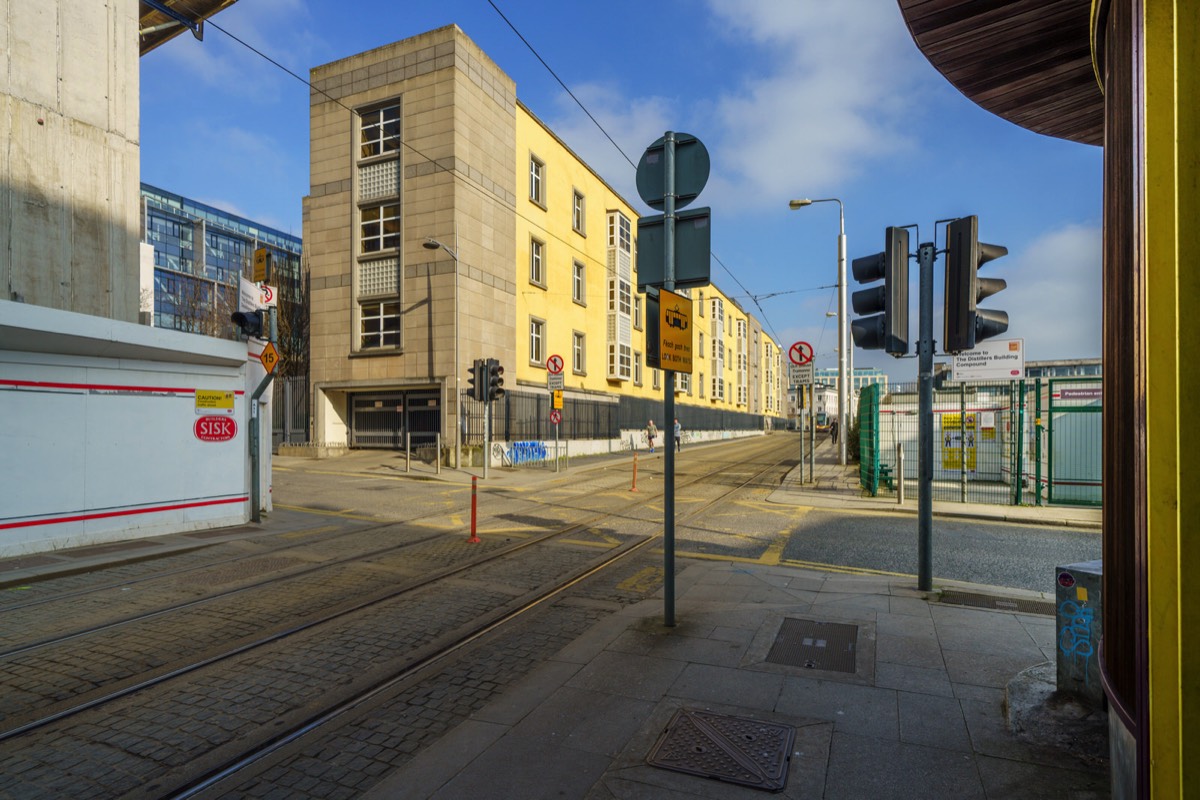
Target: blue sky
<point x="793" y="98"/>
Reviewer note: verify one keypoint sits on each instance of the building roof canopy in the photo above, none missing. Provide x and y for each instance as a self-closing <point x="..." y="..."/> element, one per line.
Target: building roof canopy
<point x="156" y="27"/>
<point x="1027" y="61"/>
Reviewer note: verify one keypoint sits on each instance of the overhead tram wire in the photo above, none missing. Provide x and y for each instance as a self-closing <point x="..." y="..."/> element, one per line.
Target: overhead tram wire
<point x="596" y="122"/>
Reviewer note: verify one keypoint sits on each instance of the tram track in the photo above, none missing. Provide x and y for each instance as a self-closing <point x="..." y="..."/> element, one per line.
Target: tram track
<point x="435" y="649"/>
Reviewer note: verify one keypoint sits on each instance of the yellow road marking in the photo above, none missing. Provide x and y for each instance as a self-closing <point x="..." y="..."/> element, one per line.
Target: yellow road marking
<point x="643" y="580"/>
<point x="327" y="513"/>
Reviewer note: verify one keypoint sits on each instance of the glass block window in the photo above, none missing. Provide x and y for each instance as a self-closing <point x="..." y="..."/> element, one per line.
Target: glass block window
<point x="379" y="325"/>
<point x="380" y="277"/>
<point x="380" y="228"/>
<point x="378" y="180"/>
<point x="379" y="132"/>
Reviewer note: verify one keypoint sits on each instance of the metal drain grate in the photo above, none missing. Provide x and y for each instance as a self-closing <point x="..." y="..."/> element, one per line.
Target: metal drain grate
<point x="999" y="603"/>
<point x="815" y="645"/>
<point x="748" y="752"/>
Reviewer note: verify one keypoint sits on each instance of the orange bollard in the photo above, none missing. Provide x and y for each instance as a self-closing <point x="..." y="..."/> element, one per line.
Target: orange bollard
<point x="634" y="487"/>
<point x="474" y="539"/>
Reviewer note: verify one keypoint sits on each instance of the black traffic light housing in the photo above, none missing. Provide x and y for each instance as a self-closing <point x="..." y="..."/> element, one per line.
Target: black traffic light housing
<point x="887" y="330"/>
<point x="965" y="323"/>
<point x="478" y="380"/>
<point x="495" y="380"/>
<point x="251" y="323"/>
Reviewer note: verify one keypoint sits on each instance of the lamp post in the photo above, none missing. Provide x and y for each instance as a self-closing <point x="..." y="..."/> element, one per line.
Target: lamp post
<point x="433" y="244"/>
<point x="843" y="326"/>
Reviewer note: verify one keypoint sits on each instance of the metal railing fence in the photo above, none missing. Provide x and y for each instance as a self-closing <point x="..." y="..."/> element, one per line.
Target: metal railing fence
<point x="1021" y="442"/>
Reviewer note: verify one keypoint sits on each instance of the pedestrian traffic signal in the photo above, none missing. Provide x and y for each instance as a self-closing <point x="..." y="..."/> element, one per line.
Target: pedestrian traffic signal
<point x="251" y="323"/>
<point x="888" y="329"/>
<point x="478" y="380"/>
<point x="965" y="323"/>
<point x="495" y="380"/>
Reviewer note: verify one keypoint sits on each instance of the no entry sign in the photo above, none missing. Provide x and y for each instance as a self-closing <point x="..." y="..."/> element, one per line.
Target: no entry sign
<point x="800" y="353"/>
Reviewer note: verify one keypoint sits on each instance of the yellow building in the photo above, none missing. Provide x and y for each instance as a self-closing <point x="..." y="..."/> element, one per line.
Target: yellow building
<point x="446" y="223"/>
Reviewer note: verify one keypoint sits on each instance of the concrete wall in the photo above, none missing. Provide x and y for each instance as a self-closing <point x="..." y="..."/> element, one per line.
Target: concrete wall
<point x="69" y="155"/>
<point x="97" y="428"/>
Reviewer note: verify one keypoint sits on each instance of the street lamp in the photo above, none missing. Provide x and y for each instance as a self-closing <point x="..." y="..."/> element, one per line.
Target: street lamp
<point x="433" y="244"/>
<point x="843" y="327"/>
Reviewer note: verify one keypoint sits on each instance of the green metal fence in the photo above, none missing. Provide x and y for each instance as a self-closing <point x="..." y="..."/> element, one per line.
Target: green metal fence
<point x="1026" y="442"/>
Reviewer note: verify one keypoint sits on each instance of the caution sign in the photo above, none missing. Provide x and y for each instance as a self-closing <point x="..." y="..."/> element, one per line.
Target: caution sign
<point x="213" y="401"/>
<point x="958" y="440"/>
<point x="675" y="331"/>
<point x="269" y="357"/>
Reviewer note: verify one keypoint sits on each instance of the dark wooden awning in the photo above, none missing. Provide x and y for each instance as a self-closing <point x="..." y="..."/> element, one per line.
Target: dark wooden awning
<point x="1028" y="61"/>
<point x="156" y="27"/>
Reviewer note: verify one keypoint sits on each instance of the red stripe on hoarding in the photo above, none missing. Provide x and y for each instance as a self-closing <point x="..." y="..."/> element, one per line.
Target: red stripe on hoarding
<point x="108" y="514"/>
<point x="105" y="387"/>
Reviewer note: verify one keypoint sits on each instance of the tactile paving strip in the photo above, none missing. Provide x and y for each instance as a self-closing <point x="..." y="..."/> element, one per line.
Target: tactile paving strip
<point x="740" y="750"/>
<point x="815" y="645"/>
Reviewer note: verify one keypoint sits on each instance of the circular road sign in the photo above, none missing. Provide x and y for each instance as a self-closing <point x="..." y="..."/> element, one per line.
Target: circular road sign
<point x="692" y="166"/>
<point x="555" y="416"/>
<point x="554" y="364"/>
<point x="800" y="353"/>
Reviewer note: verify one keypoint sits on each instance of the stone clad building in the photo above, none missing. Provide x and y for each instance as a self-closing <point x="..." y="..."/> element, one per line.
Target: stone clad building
<point x="447" y="223"/>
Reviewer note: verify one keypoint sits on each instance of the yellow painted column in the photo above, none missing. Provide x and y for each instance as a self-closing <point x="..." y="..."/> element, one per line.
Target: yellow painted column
<point x="1171" y="183"/>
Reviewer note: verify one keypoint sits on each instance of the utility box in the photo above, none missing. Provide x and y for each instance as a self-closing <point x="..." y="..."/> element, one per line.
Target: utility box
<point x="1080" y="615"/>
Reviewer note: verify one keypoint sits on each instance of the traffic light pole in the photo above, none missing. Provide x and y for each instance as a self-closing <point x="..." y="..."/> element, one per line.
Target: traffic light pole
<point x="255" y="424"/>
<point x="925" y="255"/>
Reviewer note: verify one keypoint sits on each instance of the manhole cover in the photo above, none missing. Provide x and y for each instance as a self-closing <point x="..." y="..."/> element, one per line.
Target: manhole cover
<point x="738" y="750"/>
<point x="999" y="603"/>
<point x="815" y="645"/>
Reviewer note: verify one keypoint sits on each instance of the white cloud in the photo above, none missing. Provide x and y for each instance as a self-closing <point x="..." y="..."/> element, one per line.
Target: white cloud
<point x="1054" y="295"/>
<point x="828" y="106"/>
<point x="633" y="123"/>
<point x="825" y="96"/>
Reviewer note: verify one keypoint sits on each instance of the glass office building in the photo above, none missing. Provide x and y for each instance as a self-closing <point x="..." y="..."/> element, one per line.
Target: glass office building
<point x="199" y="252"/>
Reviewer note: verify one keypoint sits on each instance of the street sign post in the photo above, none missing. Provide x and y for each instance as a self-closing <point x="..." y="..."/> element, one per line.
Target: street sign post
<point x="670" y="175"/>
<point x="675" y="332"/>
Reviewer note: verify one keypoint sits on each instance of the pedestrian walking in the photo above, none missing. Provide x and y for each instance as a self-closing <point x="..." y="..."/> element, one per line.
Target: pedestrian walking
<point x="678" y="437"/>
<point x="651" y="433"/>
<point x="833" y="431"/>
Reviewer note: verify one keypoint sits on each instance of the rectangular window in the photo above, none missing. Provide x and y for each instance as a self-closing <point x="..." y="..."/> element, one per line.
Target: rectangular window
<point x="637" y="368"/>
<point x="620" y="232"/>
<point x="578" y="353"/>
<point x="637" y="311"/>
<point x="701" y="384"/>
<point x="700" y="354"/>
<point x="578" y="216"/>
<point x="537" y="181"/>
<point x="537" y="266"/>
<point x="379" y="325"/>
<point x="380" y="228"/>
<point x="579" y="283"/>
<point x="537" y="340"/>
<point x="380" y="132"/>
<point x="654" y="377"/>
<point x="623" y="296"/>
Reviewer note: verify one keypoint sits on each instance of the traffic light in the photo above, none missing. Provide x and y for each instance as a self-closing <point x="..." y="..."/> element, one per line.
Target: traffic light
<point x="252" y="323"/>
<point x="495" y="380"/>
<point x="478" y="380"/>
<point x="966" y="324"/>
<point x="888" y="329"/>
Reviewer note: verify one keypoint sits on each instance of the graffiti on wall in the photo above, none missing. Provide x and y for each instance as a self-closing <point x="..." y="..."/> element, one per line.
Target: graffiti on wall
<point x="1075" y="634"/>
